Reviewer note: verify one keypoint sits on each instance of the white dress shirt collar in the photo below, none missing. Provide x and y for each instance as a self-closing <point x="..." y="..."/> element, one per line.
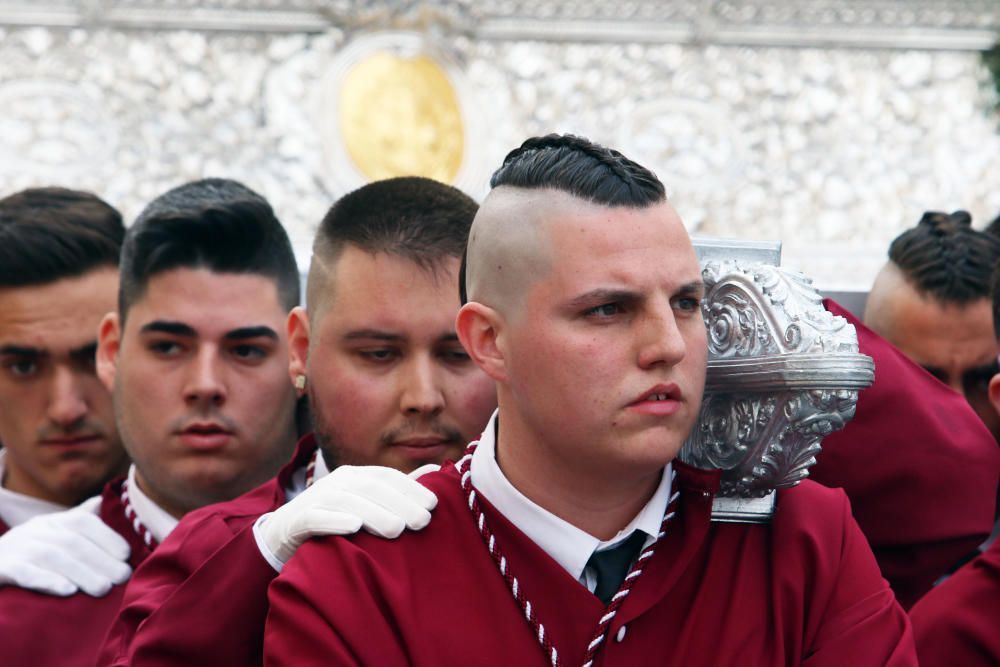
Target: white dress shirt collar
<point x="157" y="520"/>
<point x="565" y="543"/>
<point x="16" y="508"/>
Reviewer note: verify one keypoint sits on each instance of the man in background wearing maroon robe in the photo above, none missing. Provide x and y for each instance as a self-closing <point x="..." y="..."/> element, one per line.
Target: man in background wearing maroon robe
<point x="389" y="385"/>
<point x="584" y="307"/>
<point x="197" y="360"/>
<point x="57" y="428"/>
<point x="958" y="623"/>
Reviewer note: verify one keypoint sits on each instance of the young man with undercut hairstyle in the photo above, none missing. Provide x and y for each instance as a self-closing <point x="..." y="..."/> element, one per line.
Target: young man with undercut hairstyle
<point x="570" y="534"/>
<point x="388" y="383"/>
<point x="197" y="358"/>
<point x="957" y="622"/>
<point x="932" y="301"/>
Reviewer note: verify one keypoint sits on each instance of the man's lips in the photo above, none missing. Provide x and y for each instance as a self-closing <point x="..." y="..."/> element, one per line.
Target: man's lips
<point x="661" y="400"/>
<point x="72" y="440"/>
<point x="205" y="436"/>
<point x="422" y="447"/>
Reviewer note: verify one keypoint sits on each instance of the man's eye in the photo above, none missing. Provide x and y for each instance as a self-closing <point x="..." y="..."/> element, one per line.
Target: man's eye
<point x="379" y="355"/>
<point x="248" y="352"/>
<point x="688" y="303"/>
<point x="165" y="347"/>
<point x="605" y="310"/>
<point x="455" y="356"/>
<point x="22" y="368"/>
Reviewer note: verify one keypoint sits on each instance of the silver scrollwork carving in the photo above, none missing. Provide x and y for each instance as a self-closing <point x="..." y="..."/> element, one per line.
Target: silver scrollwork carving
<point x="783" y="373"/>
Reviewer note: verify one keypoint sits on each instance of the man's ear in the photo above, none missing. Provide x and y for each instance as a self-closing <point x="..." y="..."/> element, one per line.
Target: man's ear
<point x="994" y="392"/>
<point x="479" y="329"/>
<point x="109" y="341"/>
<point x="298" y="346"/>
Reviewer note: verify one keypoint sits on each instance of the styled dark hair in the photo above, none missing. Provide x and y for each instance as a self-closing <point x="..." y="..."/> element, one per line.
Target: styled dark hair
<point x="47" y="234"/>
<point x="943" y="256"/>
<point x="581" y="168"/>
<point x="412" y="217"/>
<point x="994" y="227"/>
<point x="215" y="224"/>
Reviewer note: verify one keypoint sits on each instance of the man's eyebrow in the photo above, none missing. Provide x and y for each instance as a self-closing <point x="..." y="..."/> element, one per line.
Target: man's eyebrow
<point x="22" y="351"/>
<point x="251" y="332"/>
<point x="167" y="327"/>
<point x="372" y="334"/>
<point x="695" y="287"/>
<point x="86" y="352"/>
<point x="989" y="368"/>
<point x="602" y="295"/>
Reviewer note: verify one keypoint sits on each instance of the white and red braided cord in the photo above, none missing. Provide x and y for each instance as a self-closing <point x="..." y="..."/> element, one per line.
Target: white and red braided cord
<point x="538" y="629"/>
<point x="133" y="518"/>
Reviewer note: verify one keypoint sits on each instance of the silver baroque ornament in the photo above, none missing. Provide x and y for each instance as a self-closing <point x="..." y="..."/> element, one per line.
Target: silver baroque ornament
<point x="783" y="373"/>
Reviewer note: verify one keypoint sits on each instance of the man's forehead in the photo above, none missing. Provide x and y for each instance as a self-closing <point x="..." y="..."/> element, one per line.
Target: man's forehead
<point x="209" y="303"/>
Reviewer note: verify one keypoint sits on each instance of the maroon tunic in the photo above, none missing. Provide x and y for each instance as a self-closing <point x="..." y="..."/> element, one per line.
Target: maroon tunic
<point x="42" y="630"/>
<point x="202" y="597"/>
<point x="3" y="527"/>
<point x="803" y="590"/>
<point x="958" y="623"/>
<point x="918" y="466"/>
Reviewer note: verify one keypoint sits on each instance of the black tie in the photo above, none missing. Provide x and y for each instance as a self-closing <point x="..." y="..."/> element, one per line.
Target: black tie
<point x="611" y="565"/>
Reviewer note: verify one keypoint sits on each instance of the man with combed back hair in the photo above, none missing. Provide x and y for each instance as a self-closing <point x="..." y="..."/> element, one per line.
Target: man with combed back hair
<point x="58" y="277"/>
<point x="569" y="533"/>
<point x="388" y="384"/>
<point x="932" y="301"/>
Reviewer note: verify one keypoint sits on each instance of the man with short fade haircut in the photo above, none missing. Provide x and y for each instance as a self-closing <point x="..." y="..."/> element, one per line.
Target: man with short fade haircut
<point x="196" y="357"/>
<point x="388" y="383"/>
<point x="58" y="277"/>
<point x="570" y="534"/>
<point x="932" y="301"/>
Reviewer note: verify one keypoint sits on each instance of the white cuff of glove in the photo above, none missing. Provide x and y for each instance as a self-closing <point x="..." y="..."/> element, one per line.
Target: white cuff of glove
<point x="265" y="551"/>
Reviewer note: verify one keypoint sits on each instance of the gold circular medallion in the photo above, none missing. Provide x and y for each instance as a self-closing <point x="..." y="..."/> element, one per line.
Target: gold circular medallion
<point x="401" y="117"/>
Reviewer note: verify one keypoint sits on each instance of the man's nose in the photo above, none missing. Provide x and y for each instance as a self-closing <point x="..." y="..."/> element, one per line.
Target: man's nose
<point x="67" y="402"/>
<point x="660" y="339"/>
<point x="205" y="382"/>
<point x="421" y="391"/>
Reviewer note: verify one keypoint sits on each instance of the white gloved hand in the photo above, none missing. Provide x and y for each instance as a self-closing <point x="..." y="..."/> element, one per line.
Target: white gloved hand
<point x="383" y="501"/>
<point x="63" y="552"/>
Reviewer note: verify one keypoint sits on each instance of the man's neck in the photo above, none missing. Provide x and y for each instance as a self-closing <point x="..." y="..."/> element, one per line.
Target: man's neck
<point x="159" y="499"/>
<point x="600" y="504"/>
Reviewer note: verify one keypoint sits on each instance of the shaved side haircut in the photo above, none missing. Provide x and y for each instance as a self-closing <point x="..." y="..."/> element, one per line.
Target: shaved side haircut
<point x="47" y="234"/>
<point x="215" y="224"/>
<point x="415" y="218"/>
<point x="564" y="163"/>
<point x="945" y="258"/>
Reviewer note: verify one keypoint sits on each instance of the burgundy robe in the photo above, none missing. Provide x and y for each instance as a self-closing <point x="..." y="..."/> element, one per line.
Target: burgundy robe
<point x="958" y="623"/>
<point x="803" y="590"/>
<point x="202" y="597"/>
<point x="919" y="467"/>
<point x="42" y="630"/>
<point x="3" y="527"/>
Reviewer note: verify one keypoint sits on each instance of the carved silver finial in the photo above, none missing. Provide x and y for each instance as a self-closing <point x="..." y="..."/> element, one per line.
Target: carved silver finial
<point x="783" y="373"/>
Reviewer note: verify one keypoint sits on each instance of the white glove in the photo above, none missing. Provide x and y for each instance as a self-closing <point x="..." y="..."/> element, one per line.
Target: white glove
<point x="383" y="501"/>
<point x="63" y="552"/>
